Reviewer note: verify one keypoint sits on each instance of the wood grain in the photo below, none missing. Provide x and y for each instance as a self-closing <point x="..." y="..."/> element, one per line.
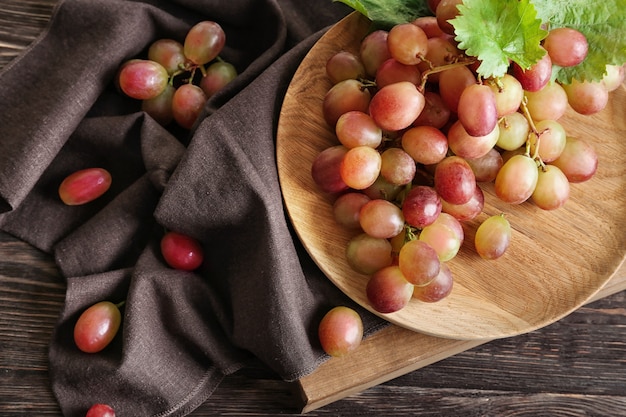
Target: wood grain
<point x="557" y="260"/>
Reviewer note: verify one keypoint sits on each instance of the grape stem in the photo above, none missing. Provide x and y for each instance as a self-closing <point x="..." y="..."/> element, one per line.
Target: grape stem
<point x="533" y="131"/>
<point x="441" y="68"/>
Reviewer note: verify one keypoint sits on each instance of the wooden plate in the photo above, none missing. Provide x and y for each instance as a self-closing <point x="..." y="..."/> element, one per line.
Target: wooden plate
<point x="557" y="259"/>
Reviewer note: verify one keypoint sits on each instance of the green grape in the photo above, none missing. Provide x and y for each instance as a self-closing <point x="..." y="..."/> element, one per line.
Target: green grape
<point x="493" y="237"/>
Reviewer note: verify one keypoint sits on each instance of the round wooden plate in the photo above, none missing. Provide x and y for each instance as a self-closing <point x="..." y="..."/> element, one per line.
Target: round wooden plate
<point x="557" y="259"/>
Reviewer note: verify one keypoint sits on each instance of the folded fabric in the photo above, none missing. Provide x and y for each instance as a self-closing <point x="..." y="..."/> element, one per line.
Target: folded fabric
<point x="258" y="295"/>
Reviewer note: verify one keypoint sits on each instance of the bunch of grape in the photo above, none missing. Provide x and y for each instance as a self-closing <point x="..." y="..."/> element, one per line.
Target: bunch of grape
<point x="177" y="79"/>
<point x="418" y="131"/>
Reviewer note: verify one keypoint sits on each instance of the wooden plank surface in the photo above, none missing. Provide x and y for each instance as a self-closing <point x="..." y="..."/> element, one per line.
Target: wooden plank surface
<point x="575" y="367"/>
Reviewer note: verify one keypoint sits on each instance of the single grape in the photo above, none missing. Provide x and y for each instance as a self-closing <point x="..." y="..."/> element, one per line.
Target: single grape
<point x="169" y="53"/>
<point x="436" y="290"/>
<point x="467" y="211"/>
<point x="97" y="326"/>
<point x="344" y="65"/>
<point x="381" y="188"/>
<point x="578" y="161"/>
<point x="535" y="77"/>
<point x="614" y="77"/>
<point x="550" y="142"/>
<point x="340" y="331"/>
<point x="552" y="190"/>
<point x="587" y="97"/>
<point x="452" y="83"/>
<point x="374" y="51"/>
<point x="84" y="186"/>
<point x="454" y="180"/>
<point x="181" y="251"/>
<point x="477" y="110"/>
<point x="381" y="219"/>
<point x="567" y="47"/>
<point x="345" y="96"/>
<point x="397" y="166"/>
<point x="442" y="239"/>
<point x="513" y="131"/>
<point x="464" y="145"/>
<point x="356" y="128"/>
<point x="447" y="10"/>
<point x="187" y="104"/>
<point x="204" y="42"/>
<point x="486" y="167"/>
<point x="388" y="290"/>
<point x="493" y="237"/>
<point x="508" y="92"/>
<point x="418" y="262"/>
<point x="407" y="43"/>
<point x="516" y="180"/>
<point x="430" y="26"/>
<point x="425" y="144"/>
<point x="160" y="107"/>
<point x="392" y="71"/>
<point x="346" y="209"/>
<point x="435" y="113"/>
<point x="360" y="167"/>
<point x="142" y="79"/>
<point x="421" y="206"/>
<point x="396" y="106"/>
<point x="217" y="76"/>
<point x="367" y="254"/>
<point x="100" y="410"/>
<point x="326" y="169"/>
<point x="549" y="103"/>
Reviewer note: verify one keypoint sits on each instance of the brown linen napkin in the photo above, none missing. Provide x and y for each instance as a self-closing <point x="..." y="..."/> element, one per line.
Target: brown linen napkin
<point x="258" y="296"/>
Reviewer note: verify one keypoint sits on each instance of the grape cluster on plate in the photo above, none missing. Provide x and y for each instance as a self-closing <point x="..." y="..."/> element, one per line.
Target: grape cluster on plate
<point x="418" y="130"/>
<point x="177" y="79"/>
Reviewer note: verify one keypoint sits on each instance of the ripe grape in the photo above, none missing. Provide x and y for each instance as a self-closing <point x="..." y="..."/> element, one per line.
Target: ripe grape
<point x="435" y="113"/>
<point x="326" y="169"/>
<point x="549" y="103"/>
<point x="169" y="53"/>
<point x="204" y="42"/>
<point x="567" y="47"/>
<point x="142" y="79"/>
<point x="436" y="290"/>
<point x="421" y="206"/>
<point x="442" y="239"/>
<point x="462" y="144"/>
<point x="356" y="128"/>
<point x="447" y="10"/>
<point x="84" y="186"/>
<point x="466" y="211"/>
<point x="360" y="167"/>
<point x="396" y="106"/>
<point x="97" y="326"/>
<point x="397" y="166"/>
<point x="382" y="189"/>
<point x="578" y="161"/>
<point x="552" y="190"/>
<point x="418" y="262"/>
<point x="388" y="290"/>
<point x="217" y="76"/>
<point x="367" y="254"/>
<point x="425" y="144"/>
<point x="441" y="51"/>
<point x="587" y="97"/>
<point x="345" y="96"/>
<point x="407" y="43"/>
<point x="430" y="26"/>
<point x="493" y="237"/>
<point x="550" y="142"/>
<point x="535" y="77"/>
<point x="100" y="410"/>
<point x="509" y="94"/>
<point x="160" y="107"/>
<point x="452" y="83"/>
<point x="454" y="180"/>
<point x="516" y="180"/>
<point x="477" y="110"/>
<point x="513" y="131"/>
<point x="181" y="251"/>
<point x="392" y="71"/>
<point x="614" y="77"/>
<point x="486" y="167"/>
<point x="381" y="219"/>
<point x="346" y="209"/>
<point x="340" y="331"/>
<point x="374" y="51"/>
<point x="187" y="104"/>
<point x="344" y="65"/>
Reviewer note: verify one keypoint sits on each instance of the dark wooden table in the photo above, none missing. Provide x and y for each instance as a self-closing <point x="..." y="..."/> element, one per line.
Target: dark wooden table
<point x="575" y="367"/>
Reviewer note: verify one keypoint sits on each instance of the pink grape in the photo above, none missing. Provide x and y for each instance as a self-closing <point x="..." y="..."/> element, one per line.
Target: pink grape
<point x="447" y="10"/>
<point x="516" y="180"/>
<point x="374" y="51"/>
<point x="169" y="53"/>
<point x="441" y="51"/>
<point x="436" y="290"/>
<point x="435" y="113"/>
<point x="493" y="237"/>
<point x="396" y="106"/>
<point x="587" y="97"/>
<point x="535" y="77"/>
<point x="407" y="43"/>
<point x="418" y="262"/>
<point x="346" y="209"/>
<point x="467" y="211"/>
<point x="356" y="128"/>
<point x="344" y="65"/>
<point x="392" y="71"/>
<point x="425" y="144"/>
<point x="549" y="103"/>
<point x="578" y="161"/>
<point x="566" y="46"/>
<point x="454" y="180"/>
<point x="84" y="186"/>
<point x="97" y="326"/>
<point x="462" y="144"/>
<point x="430" y="26"/>
<point x="552" y="190"/>
<point x="217" y="76"/>
<point x="142" y="79"/>
<point x="381" y="218"/>
<point x="452" y="83"/>
<point x="397" y="166"/>
<point x="345" y="96"/>
<point x="453" y="223"/>
<point x="421" y="206"/>
<point x="477" y="110"/>
<point x="100" y="410"/>
<point x="326" y="169"/>
<point x="160" y="107"/>
<point x="486" y="167"/>
<point x="181" y="251"/>
<point x="204" y="42"/>
<point x="509" y="94"/>
<point x="367" y="254"/>
<point x="551" y="140"/>
<point x="360" y="167"/>
<point x="442" y="239"/>
<point x="388" y="291"/>
<point x="340" y="331"/>
<point x="187" y="104"/>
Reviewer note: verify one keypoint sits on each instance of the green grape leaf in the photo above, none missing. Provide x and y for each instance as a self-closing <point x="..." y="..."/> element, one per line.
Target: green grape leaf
<point x="497" y="32"/>
<point x="387" y="13"/>
<point x="602" y="23"/>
